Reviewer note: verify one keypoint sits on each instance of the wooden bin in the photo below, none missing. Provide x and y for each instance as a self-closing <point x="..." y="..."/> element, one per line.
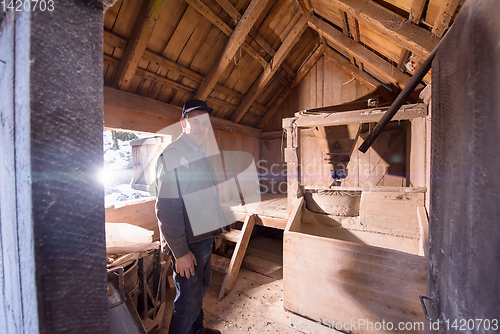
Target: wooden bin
<point x="338" y="276"/>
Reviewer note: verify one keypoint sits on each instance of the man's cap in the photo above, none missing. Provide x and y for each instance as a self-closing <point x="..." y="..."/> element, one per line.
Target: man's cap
<point x="191" y="105"/>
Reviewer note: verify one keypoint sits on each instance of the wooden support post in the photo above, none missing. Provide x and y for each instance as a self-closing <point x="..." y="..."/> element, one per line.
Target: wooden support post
<point x="423" y="224"/>
<point x="292" y="163"/>
<point x="143" y="300"/>
<point x="52" y="238"/>
<point x="237" y="258"/>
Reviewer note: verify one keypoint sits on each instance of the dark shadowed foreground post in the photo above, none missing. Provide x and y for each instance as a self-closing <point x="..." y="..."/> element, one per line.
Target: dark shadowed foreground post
<point x="53" y="267"/>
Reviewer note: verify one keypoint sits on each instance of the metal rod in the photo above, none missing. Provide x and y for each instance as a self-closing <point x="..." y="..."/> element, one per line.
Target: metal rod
<point x="400" y="100"/>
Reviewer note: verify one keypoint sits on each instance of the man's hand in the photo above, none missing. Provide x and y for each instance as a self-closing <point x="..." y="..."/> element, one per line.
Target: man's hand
<point x="184" y="265"/>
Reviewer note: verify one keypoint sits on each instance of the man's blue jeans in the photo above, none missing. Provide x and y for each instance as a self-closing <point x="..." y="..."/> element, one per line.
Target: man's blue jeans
<point x="187" y="315"/>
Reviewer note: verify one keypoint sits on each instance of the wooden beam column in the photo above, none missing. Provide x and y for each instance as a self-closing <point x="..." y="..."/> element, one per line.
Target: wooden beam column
<point x="237" y="38"/>
<point x="261" y="83"/>
<point x="294" y="191"/>
<point x="53" y="256"/>
<point x="137" y="43"/>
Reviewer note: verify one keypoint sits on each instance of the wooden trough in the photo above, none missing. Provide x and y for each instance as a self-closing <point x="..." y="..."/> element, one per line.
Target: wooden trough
<point x="357" y="277"/>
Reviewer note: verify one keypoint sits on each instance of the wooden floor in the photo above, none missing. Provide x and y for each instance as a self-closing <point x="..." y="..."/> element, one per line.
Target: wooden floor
<point x="255" y="305"/>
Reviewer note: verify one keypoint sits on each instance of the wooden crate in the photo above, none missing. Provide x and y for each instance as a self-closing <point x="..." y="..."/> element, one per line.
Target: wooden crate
<point x="335" y="275"/>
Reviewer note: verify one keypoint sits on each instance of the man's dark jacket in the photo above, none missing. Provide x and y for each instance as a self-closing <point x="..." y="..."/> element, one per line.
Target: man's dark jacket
<point x="180" y="172"/>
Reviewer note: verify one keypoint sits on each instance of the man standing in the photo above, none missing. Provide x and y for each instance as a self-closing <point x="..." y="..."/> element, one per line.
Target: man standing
<point x="184" y="172"/>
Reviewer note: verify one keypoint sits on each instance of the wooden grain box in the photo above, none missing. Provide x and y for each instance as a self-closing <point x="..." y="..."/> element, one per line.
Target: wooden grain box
<point x="344" y="277"/>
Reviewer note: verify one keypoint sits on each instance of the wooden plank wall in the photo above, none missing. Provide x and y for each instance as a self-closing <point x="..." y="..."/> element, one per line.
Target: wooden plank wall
<point x="326" y="84"/>
<point x="272" y="166"/>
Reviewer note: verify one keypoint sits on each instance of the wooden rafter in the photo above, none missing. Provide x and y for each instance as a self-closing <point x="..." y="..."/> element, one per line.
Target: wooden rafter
<point x="216" y="21"/>
<point x="417" y="10"/>
<point x="237" y="38"/>
<point x="160" y="60"/>
<point x="403" y="58"/>
<point x="371" y="60"/>
<point x="446" y="13"/>
<point x="389" y="24"/>
<point x="150" y="11"/>
<point x="305" y="6"/>
<point x="345" y="24"/>
<point x="306" y="66"/>
<point x="261" y="83"/>
<point x="233" y="12"/>
<point x="353" y="28"/>
<point x="359" y="74"/>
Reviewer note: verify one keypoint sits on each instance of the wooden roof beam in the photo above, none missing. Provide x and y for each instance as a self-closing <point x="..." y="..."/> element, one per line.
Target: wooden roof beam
<point x="237" y="38"/>
<point x="310" y="61"/>
<point x="117" y="102"/>
<point x="394" y="27"/>
<point x="446" y="13"/>
<point x="305" y="6"/>
<point x="235" y="14"/>
<point x="368" y="115"/>
<point x="370" y="59"/>
<point x="354" y="28"/>
<point x="160" y="60"/>
<point x="417" y="10"/>
<point x="261" y="83"/>
<point x="108" y="60"/>
<point x="148" y="15"/>
<point x="216" y="21"/>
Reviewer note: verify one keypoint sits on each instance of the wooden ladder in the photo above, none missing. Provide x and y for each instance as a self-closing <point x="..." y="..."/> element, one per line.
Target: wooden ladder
<point x="241" y="238"/>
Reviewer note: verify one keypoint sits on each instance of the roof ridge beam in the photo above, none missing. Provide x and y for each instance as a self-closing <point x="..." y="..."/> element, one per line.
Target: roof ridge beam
<point x="137" y="43"/>
<point x="237" y="38"/>
<point x="261" y="83"/>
